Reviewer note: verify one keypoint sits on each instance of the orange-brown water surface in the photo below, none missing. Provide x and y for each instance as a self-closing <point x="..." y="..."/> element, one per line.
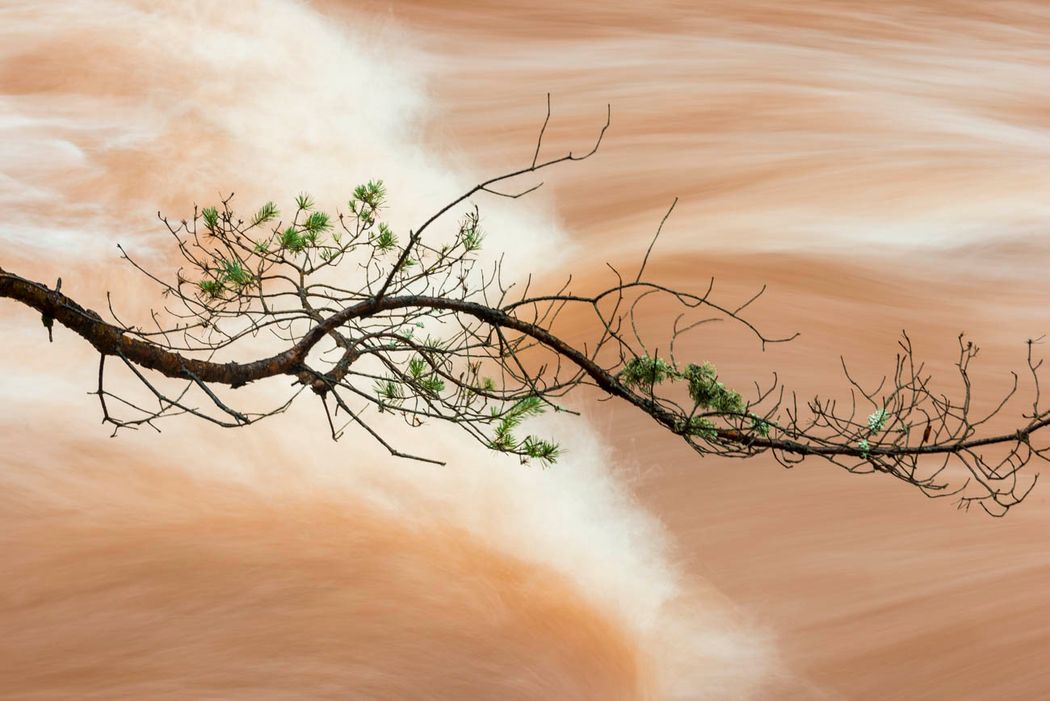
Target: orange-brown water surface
<point x="880" y="166"/>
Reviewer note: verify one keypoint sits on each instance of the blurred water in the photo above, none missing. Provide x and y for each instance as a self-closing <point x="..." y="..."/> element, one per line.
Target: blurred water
<point x="879" y="167"/>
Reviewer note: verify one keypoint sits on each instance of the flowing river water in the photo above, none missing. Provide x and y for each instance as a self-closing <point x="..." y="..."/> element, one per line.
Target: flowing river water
<point x="878" y="166"/>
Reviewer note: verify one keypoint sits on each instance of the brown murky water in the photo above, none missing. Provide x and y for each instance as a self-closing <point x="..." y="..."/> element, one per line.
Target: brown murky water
<point x="879" y="166"/>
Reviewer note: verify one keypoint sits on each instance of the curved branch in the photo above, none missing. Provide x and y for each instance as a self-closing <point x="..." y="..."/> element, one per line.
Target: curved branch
<point x="109" y="339"/>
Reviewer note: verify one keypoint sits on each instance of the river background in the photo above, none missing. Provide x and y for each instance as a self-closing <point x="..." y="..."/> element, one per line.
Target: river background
<point x="878" y="168"/>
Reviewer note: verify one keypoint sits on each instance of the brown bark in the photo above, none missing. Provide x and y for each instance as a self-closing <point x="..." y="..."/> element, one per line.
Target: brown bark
<point x="109" y="339"/>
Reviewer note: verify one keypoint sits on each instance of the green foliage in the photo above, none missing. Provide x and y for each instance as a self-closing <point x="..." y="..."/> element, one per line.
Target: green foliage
<point x="293" y="241"/>
<point x="317" y="223"/>
<point x="540" y="449"/>
<point x="211" y="218"/>
<point x="760" y="426"/>
<point x="706" y="391"/>
<point x="389" y="393"/>
<point x="472" y="240"/>
<point x="421" y="379"/>
<point x="704" y="388"/>
<point x="372" y="195"/>
<point x="367" y="200"/>
<point x="432" y="343"/>
<point x="210" y="288"/>
<point x="268" y="212"/>
<point x="877" y="420"/>
<point x="709" y="393"/>
<point x="697" y="426"/>
<point x="228" y="275"/>
<point x="424" y="377"/>
<point x="645" y="372"/>
<point x="304" y="201"/>
<point x="385" y="240"/>
<point x="233" y="271"/>
<point x="432" y="385"/>
<point x="531" y="447"/>
<point x="470" y="232"/>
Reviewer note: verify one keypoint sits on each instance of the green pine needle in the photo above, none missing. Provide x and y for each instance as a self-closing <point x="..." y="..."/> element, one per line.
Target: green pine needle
<point x="385" y="240"/>
<point x="211" y="218"/>
<point x="268" y="212"/>
<point x="317" y="223"/>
